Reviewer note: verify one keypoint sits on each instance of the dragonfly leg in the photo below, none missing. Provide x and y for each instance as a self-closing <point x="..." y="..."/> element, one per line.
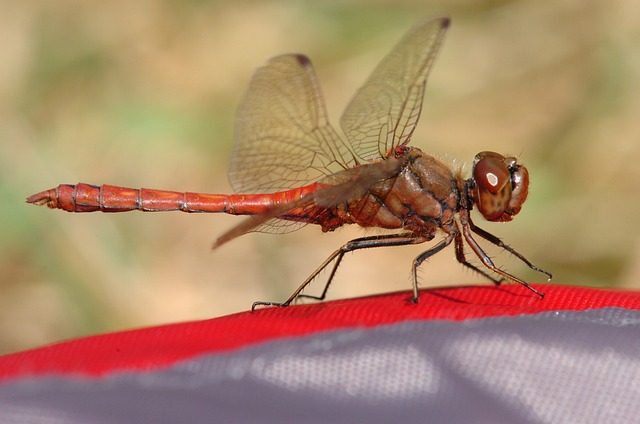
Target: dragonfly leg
<point x="482" y="255"/>
<point x="460" y="256"/>
<point x="356" y="244"/>
<point x="423" y="257"/>
<point x="495" y="240"/>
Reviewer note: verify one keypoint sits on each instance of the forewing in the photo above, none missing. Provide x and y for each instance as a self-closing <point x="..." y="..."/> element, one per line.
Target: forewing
<point x="283" y="137"/>
<point x="385" y="110"/>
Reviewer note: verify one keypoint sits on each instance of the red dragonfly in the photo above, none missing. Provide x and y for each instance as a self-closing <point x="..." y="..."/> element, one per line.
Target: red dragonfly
<point x="301" y="171"/>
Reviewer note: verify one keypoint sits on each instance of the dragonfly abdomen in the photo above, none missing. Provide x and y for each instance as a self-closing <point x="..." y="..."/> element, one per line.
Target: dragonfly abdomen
<point x="108" y="198"/>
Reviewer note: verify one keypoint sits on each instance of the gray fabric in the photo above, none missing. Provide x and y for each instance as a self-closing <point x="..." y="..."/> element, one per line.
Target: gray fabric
<point x="561" y="367"/>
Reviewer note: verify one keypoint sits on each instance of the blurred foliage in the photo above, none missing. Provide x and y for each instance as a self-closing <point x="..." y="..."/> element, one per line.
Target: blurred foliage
<point x="144" y="94"/>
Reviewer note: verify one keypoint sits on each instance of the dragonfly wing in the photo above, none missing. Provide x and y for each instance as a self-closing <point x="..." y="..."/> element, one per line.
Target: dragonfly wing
<point x="353" y="183"/>
<point x="338" y="188"/>
<point x="283" y="137"/>
<point x="385" y="110"/>
<point x="267" y="222"/>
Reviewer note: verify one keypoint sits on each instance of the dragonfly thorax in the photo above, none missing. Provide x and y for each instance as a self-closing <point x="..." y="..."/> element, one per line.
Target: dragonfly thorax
<point x="422" y="197"/>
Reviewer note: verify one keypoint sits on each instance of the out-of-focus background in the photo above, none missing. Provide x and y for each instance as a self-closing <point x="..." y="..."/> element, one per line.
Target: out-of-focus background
<point x="144" y="94"/>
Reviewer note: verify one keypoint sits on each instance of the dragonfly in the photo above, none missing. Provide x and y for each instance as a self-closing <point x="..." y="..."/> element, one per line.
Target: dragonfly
<point x="291" y="168"/>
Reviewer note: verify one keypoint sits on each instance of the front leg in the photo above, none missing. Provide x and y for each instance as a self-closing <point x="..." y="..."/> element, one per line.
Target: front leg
<point x="489" y="263"/>
<point x="461" y="257"/>
<point x="495" y="240"/>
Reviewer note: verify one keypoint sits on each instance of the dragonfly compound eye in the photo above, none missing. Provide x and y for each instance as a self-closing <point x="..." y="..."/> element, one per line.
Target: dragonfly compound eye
<point x="520" y="188"/>
<point x="501" y="186"/>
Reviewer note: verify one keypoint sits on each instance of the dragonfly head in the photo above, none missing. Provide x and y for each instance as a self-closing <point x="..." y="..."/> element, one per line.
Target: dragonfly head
<point x="501" y="186"/>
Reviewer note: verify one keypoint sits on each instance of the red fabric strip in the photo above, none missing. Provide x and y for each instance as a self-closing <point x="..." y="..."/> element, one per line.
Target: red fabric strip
<point x="154" y="347"/>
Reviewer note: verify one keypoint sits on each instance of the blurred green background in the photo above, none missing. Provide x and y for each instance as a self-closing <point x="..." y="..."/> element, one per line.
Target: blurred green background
<point x="144" y="94"/>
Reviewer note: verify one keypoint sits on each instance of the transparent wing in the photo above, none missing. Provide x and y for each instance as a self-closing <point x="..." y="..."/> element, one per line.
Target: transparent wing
<point x="283" y="137"/>
<point x="385" y="110"/>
